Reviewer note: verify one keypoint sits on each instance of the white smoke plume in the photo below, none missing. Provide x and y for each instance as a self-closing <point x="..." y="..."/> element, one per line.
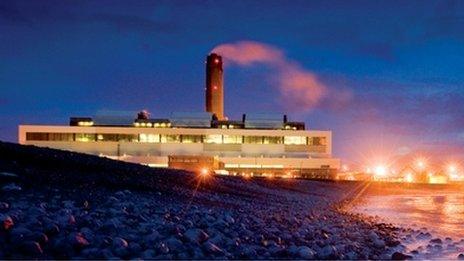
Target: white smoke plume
<point x="301" y="90"/>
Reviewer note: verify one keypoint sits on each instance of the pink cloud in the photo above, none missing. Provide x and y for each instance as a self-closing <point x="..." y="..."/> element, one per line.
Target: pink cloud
<point x="248" y="52"/>
<point x="301" y="89"/>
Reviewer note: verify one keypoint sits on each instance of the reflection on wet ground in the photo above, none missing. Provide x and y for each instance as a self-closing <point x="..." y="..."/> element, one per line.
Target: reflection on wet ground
<point x="442" y="213"/>
<point x="439" y="212"/>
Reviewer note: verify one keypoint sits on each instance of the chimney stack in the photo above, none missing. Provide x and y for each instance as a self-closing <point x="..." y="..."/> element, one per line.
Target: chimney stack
<point x="214" y="86"/>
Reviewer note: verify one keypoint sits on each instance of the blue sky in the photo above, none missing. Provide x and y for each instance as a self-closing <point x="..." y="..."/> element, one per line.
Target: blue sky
<point x="399" y="63"/>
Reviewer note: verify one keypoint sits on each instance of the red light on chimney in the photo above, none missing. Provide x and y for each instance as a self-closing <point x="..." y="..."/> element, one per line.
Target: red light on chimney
<point x="215" y="87"/>
<point x="216" y="60"/>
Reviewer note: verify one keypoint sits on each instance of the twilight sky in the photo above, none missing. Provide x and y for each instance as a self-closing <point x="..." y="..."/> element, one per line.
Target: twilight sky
<point x="386" y="76"/>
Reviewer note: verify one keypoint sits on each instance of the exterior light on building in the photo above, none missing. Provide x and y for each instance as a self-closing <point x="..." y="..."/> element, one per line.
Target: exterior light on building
<point x="85" y="123"/>
<point x="149" y="124"/>
<point x="136" y="124"/>
<point x="452" y="168"/>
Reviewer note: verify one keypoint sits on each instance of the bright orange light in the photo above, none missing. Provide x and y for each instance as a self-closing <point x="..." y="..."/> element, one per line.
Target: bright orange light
<point x="204" y="171"/>
<point x="409" y="178"/>
<point x="344" y="167"/>
<point x="420" y="163"/>
<point x="452" y="168"/>
<point x="380" y="171"/>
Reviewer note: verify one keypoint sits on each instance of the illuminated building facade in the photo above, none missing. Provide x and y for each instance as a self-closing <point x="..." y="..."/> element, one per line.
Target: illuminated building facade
<point x="258" y="144"/>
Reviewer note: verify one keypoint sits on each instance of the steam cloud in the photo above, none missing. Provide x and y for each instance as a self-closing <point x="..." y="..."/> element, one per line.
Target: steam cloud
<point x="300" y="88"/>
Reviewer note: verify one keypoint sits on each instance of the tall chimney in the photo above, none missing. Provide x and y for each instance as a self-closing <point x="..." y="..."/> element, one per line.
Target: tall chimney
<point x="214" y="85"/>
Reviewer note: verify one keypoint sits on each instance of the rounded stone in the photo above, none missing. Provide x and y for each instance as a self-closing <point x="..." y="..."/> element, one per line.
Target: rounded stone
<point x="52" y="229"/>
<point x="162" y="248"/>
<point x="305" y="252"/>
<point x="327" y="252"/>
<point x="211" y="248"/>
<point x="196" y="235"/>
<point x="400" y="256"/>
<point x="31" y="248"/>
<point x="6" y="222"/>
<point x="78" y="240"/>
<point x="4" y="206"/>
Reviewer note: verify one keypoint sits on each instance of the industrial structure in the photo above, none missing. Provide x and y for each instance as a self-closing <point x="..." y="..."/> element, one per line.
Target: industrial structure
<point x="256" y="145"/>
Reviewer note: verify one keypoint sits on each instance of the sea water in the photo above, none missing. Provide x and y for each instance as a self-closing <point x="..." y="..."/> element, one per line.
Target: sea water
<point x="439" y="212"/>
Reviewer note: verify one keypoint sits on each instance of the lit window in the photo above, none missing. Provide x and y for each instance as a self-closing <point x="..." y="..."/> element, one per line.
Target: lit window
<point x="318" y="141"/>
<point x="84" y="137"/>
<point x="272" y="140"/>
<point x="217" y="139"/>
<point x="295" y="140"/>
<point x="170" y="138"/>
<point x="231" y="126"/>
<point x="232" y="139"/>
<point x="151" y="138"/>
<point x="191" y="138"/>
<point x="254" y="139"/>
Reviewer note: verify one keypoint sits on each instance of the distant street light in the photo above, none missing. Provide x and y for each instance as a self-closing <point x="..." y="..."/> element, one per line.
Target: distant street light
<point x="420" y="164"/>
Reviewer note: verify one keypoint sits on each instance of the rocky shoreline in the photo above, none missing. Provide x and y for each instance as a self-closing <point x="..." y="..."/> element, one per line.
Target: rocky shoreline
<point x="186" y="217"/>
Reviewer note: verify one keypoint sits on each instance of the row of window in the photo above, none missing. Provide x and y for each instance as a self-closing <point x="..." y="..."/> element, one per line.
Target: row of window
<point x="161" y="138"/>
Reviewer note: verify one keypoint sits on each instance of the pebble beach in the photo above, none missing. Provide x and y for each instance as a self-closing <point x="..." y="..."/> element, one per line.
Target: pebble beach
<point x="60" y="205"/>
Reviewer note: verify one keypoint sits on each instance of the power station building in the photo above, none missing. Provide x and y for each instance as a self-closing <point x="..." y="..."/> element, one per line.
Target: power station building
<point x="256" y="145"/>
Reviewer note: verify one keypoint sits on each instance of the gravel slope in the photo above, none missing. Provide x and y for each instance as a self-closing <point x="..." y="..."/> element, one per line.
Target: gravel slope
<point x="56" y="204"/>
